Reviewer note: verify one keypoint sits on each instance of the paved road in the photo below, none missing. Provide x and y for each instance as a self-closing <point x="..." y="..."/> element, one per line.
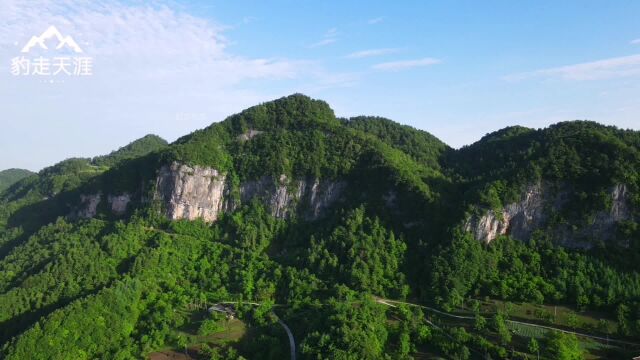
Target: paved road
<point x="292" y="342"/>
<point x="393" y="302"/>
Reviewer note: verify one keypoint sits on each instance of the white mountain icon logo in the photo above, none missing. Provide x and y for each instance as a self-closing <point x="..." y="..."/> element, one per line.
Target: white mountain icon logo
<point x="52" y="32"/>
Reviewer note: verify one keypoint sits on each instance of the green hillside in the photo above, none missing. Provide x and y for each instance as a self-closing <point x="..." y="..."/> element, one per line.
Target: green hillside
<point x="386" y="270"/>
<point x="11" y="176"/>
<point x="137" y="148"/>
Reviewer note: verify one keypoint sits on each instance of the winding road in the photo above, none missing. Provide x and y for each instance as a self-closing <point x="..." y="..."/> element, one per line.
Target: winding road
<point x="292" y="342"/>
<point x="393" y="303"/>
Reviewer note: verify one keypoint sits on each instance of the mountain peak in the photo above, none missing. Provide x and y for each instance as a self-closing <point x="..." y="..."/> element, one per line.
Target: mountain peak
<point x="293" y="111"/>
<point x="11" y="176"/>
<point x="136" y="148"/>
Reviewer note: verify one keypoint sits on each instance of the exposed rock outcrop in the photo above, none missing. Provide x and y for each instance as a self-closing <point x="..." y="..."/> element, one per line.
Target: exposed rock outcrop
<point x="88" y="206"/>
<point x="517" y="219"/>
<point x="191" y="192"/>
<point x="520" y="219"/>
<point x="119" y="203"/>
<point x="250" y="134"/>
<point x="198" y="192"/>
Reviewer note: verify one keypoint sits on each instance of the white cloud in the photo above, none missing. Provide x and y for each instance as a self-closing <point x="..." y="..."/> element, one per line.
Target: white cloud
<point x="152" y="61"/>
<point x="635" y="42"/>
<point x="150" y="41"/>
<point x="406" y="64"/>
<point x="619" y="67"/>
<point x="375" y="21"/>
<point x="370" y="53"/>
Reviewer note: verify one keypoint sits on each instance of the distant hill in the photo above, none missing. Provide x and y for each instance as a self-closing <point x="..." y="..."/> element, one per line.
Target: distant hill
<point x="11" y="176"/>
<point x="142" y="146"/>
<point x="66" y="176"/>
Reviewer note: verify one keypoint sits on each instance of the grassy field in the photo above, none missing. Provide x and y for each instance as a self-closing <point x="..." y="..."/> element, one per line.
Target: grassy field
<point x="231" y="331"/>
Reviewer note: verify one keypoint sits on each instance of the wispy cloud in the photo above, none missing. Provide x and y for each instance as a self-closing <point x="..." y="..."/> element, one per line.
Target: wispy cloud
<point x="618" y="67"/>
<point x="375" y="20"/>
<point x="406" y="64"/>
<point x="635" y="42"/>
<point x="333" y="32"/>
<point x="323" y="42"/>
<point x="371" y="53"/>
<point x="151" y="61"/>
<point x="141" y="41"/>
<point x="329" y="38"/>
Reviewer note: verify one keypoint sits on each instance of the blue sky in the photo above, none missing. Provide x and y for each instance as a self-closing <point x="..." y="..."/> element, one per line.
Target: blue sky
<point x="458" y="69"/>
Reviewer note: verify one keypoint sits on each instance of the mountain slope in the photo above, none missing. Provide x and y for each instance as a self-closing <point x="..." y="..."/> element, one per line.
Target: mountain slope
<point x="11" y="176"/>
<point x="33" y="194"/>
<point x="285" y="204"/>
<point x="585" y="172"/>
<point x="137" y="148"/>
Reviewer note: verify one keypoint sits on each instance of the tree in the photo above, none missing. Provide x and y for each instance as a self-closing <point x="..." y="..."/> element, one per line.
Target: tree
<point x="501" y="328"/>
<point x="480" y="322"/>
<point x="534" y="347"/>
<point x="572" y="320"/>
<point x="603" y="326"/>
<point x="182" y="342"/>
<point x="622" y="312"/>
<point x="561" y="346"/>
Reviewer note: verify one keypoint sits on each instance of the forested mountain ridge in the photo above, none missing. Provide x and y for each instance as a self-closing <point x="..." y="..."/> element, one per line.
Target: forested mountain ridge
<point x="35" y="194"/>
<point x="311" y="216"/>
<point x="11" y="176"/>
<point x="137" y="148"/>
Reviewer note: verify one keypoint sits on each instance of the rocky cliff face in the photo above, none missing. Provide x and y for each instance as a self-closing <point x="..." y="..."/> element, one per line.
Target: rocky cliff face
<point x="88" y="206"/>
<point x="192" y="192"/>
<point x="520" y="219"/>
<point x="89" y="203"/>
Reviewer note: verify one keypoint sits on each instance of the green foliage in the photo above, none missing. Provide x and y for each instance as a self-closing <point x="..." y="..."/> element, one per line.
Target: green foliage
<point x="561" y="346"/>
<point x="533" y="346"/>
<point x="361" y="254"/>
<point x="348" y="332"/>
<point x="501" y="328"/>
<point x="125" y="287"/>
<point x="137" y="148"/>
<point x="96" y="326"/>
<point x="538" y="272"/>
<point x="422" y="146"/>
<point x="210" y="326"/>
<point x="11" y="176"/>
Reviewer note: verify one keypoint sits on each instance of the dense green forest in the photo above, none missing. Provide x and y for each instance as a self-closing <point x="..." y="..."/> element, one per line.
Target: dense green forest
<point x="137" y="148"/>
<point x="12" y="176"/>
<point x="387" y="271"/>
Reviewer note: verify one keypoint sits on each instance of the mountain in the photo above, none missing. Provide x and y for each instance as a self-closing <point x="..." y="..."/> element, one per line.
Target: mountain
<point x="40" y="196"/>
<point x="137" y="148"/>
<point x="286" y="217"/>
<point x="11" y="176"/>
